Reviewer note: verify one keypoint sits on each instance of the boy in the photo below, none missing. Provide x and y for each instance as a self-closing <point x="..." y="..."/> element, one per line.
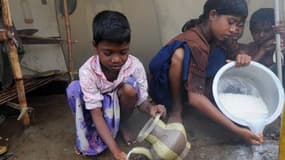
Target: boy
<point x="111" y="83"/>
<point x="262" y="29"/>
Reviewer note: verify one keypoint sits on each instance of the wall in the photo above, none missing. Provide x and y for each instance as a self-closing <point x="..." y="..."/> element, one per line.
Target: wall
<point x="141" y="15"/>
<point x="173" y="14"/>
<point x="153" y="23"/>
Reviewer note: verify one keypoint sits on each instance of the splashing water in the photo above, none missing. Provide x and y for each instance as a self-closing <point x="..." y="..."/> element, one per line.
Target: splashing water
<point x="251" y="109"/>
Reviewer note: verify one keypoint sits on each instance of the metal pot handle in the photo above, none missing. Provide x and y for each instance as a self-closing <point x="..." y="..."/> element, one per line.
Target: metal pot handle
<point x="140" y="150"/>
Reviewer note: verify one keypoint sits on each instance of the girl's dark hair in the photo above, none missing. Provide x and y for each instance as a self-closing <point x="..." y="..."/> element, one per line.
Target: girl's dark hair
<point x="262" y="17"/>
<point x="111" y="26"/>
<point x="223" y="7"/>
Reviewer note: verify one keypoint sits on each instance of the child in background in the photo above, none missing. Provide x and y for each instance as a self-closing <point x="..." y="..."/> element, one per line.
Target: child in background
<point x="262" y="29"/>
<point x="111" y="83"/>
<point x="175" y="80"/>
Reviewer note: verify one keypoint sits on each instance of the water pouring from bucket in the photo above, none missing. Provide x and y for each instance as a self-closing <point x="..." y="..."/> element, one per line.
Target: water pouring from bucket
<point x="251" y="96"/>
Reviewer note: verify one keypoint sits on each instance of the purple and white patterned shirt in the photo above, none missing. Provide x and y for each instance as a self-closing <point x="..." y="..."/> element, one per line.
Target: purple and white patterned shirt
<point x="94" y="83"/>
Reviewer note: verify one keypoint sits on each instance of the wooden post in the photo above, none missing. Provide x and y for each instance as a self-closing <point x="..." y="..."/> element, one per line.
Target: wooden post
<point x="69" y="42"/>
<point x="14" y="59"/>
<point x="281" y="155"/>
<point x="282" y="137"/>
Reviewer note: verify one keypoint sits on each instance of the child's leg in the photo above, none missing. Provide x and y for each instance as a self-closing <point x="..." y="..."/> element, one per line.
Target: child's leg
<point x="128" y="96"/>
<point x="175" y="78"/>
<point x="88" y="141"/>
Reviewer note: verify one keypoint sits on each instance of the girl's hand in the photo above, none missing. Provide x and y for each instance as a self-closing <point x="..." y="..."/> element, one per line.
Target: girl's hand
<point x="242" y="59"/>
<point x="120" y="155"/>
<point x="250" y="137"/>
<point x="155" y="109"/>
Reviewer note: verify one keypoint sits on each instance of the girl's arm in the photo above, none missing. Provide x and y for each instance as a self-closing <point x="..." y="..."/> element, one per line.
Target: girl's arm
<point x="204" y="105"/>
<point x="106" y="135"/>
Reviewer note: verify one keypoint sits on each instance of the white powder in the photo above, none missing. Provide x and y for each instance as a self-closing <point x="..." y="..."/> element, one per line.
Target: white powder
<point x="246" y="107"/>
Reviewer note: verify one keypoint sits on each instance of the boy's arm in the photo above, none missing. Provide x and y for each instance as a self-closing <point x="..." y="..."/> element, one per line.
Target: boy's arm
<point x="259" y="51"/>
<point x="264" y="49"/>
<point x="152" y="109"/>
<point x="105" y="134"/>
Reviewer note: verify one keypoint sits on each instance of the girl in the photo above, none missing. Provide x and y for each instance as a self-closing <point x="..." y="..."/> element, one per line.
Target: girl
<point x="218" y="22"/>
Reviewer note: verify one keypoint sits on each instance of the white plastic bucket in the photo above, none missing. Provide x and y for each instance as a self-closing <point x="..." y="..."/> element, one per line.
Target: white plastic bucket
<point x="252" y="79"/>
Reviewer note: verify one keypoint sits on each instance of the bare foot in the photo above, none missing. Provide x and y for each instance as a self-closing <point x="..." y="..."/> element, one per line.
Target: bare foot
<point x="76" y="151"/>
<point x="128" y="137"/>
<point x="175" y="117"/>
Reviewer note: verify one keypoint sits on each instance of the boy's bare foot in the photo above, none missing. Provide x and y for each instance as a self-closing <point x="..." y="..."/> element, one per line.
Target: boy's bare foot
<point x="76" y="151"/>
<point x="175" y="117"/>
<point x="128" y="137"/>
<point x="3" y="149"/>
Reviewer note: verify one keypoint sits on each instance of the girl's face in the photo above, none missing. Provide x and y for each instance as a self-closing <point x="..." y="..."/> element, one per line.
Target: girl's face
<point x="237" y="35"/>
<point x="224" y="26"/>
<point x="112" y="55"/>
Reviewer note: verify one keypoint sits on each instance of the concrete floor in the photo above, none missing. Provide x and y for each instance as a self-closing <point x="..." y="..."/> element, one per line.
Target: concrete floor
<point x="51" y="135"/>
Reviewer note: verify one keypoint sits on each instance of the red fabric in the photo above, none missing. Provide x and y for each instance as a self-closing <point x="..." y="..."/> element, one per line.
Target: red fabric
<point x="199" y="59"/>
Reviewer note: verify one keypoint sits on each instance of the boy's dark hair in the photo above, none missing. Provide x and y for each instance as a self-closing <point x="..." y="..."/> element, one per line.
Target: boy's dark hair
<point x="223" y="7"/>
<point x="262" y="17"/>
<point x="111" y="26"/>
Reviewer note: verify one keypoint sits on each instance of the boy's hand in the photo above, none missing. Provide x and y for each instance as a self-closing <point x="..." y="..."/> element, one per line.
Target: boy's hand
<point x="279" y="29"/>
<point x="120" y="156"/>
<point x="242" y="59"/>
<point x="155" y="109"/>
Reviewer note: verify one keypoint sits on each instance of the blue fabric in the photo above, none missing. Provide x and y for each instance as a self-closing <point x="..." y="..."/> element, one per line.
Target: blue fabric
<point x="216" y="60"/>
<point x="159" y="68"/>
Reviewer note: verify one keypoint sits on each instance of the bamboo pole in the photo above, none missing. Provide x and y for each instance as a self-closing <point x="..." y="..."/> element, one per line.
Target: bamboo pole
<point x="278" y="41"/>
<point x="282" y="137"/>
<point x="69" y="41"/>
<point x="13" y="55"/>
<point x="281" y="155"/>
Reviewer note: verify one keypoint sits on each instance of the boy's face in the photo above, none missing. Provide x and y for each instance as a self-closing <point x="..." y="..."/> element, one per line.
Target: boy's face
<point x="239" y="31"/>
<point x="112" y="55"/>
<point x="262" y="33"/>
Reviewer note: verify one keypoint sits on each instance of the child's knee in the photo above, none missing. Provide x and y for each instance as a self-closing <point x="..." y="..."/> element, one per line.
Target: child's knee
<point x="128" y="91"/>
<point x="178" y="56"/>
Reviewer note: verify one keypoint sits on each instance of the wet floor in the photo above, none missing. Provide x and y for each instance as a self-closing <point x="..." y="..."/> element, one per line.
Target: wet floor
<point x="51" y="135"/>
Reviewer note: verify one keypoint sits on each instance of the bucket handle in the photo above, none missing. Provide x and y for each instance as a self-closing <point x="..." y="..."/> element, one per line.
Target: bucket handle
<point x="140" y="150"/>
<point x="147" y="129"/>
